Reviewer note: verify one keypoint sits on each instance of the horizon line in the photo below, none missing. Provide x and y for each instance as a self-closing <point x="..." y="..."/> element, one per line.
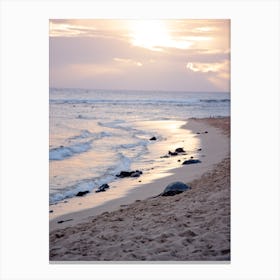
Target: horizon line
<point x="147" y="90"/>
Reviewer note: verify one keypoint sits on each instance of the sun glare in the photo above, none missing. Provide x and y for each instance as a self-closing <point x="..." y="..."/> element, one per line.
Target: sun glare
<point x="150" y="34"/>
<point x="154" y="35"/>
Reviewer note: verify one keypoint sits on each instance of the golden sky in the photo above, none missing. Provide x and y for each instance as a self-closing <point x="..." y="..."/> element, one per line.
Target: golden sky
<point x="188" y="55"/>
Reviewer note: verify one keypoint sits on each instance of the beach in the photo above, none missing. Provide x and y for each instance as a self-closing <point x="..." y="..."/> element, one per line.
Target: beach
<point x="142" y="226"/>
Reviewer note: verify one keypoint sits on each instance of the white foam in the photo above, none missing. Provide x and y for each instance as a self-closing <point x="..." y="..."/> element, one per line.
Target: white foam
<point x="94" y="136"/>
<point x="123" y="163"/>
<point x="63" y="152"/>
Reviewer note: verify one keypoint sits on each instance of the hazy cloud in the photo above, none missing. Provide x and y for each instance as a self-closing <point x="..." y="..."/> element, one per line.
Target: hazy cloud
<point x="169" y="55"/>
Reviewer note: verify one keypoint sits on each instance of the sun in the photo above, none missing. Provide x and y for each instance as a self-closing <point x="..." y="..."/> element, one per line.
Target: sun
<point x="154" y="35"/>
<point x="150" y="34"/>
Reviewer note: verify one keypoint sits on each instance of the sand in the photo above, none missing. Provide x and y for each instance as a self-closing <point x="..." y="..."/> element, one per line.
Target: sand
<point x="192" y="226"/>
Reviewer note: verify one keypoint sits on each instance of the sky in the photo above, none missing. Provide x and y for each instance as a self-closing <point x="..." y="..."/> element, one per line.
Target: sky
<point x="183" y="55"/>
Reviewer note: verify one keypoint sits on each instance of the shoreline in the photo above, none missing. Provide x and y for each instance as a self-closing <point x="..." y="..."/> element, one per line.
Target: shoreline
<point x="191" y="226"/>
<point x="171" y="135"/>
<point x="215" y="147"/>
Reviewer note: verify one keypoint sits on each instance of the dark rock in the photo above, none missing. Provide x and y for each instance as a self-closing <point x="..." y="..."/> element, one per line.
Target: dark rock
<point x="63" y="221"/>
<point x="166" y="156"/>
<point x="153" y="138"/>
<point x="82" y="193"/>
<point x="199" y="149"/>
<point x="198" y="133"/>
<point x="179" y="160"/>
<point x="57" y="235"/>
<point x="136" y="173"/>
<point x="172" y="153"/>
<point x="191" y="157"/>
<point x="175" y="188"/>
<point x="180" y="150"/>
<point x="205" y="131"/>
<point x="51" y="211"/>
<point x="124" y="174"/>
<point x="102" y="188"/>
<point x="105" y="186"/>
<point x="191" y="161"/>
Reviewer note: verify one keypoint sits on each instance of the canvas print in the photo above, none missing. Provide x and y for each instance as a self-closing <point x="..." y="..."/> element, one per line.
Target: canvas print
<point x="139" y="140"/>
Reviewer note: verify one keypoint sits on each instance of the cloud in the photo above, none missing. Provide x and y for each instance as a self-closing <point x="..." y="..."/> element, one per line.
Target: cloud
<point x="205" y="67"/>
<point x="218" y="73"/>
<point x="173" y="55"/>
<point x="154" y="35"/>
<point x="88" y="28"/>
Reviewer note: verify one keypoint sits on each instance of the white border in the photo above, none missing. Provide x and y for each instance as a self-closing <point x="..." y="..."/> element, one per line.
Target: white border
<point x="255" y="137"/>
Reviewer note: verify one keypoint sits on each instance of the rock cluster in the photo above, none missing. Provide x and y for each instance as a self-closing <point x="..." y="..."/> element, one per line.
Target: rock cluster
<point x="124" y="174"/>
<point x="176" y="152"/>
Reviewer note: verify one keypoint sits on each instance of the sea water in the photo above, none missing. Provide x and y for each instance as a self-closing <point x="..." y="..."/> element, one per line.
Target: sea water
<point x="96" y="134"/>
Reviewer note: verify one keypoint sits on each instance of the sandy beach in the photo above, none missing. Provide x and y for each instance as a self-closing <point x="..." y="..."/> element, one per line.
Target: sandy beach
<point x="191" y="226"/>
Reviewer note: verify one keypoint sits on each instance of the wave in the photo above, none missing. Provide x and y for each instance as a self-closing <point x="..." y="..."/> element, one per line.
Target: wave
<point x="94" y="136"/>
<point x="85" y="185"/>
<point x="122" y="163"/>
<point x="135" y="133"/>
<point x="116" y="125"/>
<point x="138" y="102"/>
<point x="140" y="143"/>
<point x="133" y="145"/>
<point x="63" y="152"/>
<point x="84" y="134"/>
<point x="123" y="102"/>
<point x="214" y="100"/>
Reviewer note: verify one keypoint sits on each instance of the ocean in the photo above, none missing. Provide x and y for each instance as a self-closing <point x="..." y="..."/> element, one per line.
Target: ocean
<point x="96" y="134"/>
